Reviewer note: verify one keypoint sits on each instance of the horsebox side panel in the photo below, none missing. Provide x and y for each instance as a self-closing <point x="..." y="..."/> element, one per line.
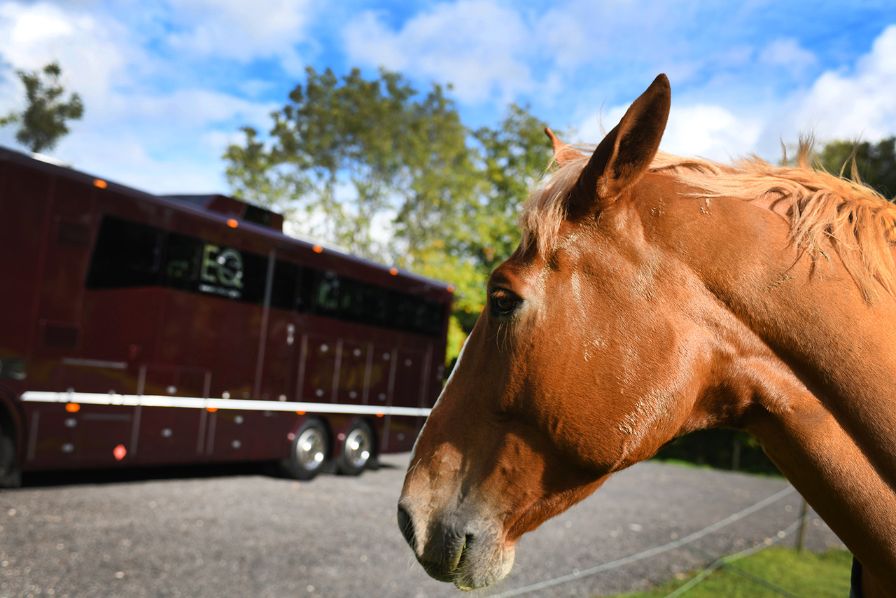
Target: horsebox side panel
<point x="24" y="202"/>
<point x="169" y="435"/>
<point x="353" y="372"/>
<point x="250" y="435"/>
<point x="103" y="435"/>
<point x="270" y="435"/>
<point x="409" y="381"/>
<point x="379" y="375"/>
<point x="69" y="241"/>
<point x="51" y="436"/>
<point x="401" y="433"/>
<point x="320" y="355"/>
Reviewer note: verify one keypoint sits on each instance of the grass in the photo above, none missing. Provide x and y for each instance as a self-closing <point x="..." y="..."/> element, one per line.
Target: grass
<point x="773" y="572"/>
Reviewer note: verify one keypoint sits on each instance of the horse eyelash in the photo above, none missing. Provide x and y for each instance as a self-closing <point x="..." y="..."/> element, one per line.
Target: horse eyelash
<point x="503" y="330"/>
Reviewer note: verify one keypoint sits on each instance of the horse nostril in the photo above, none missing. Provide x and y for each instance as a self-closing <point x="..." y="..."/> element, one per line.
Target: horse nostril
<point x="406" y="525"/>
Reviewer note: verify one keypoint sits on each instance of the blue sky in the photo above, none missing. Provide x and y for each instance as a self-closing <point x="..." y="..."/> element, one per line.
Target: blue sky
<point x="167" y="84"/>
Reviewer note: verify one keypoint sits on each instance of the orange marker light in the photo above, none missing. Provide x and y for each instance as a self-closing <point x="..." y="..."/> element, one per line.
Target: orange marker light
<point x="100" y="183"/>
<point x="211" y="409"/>
<point x="300" y="413"/>
<point x="380" y="414"/>
<point x="393" y="271"/>
<point x="72" y="407"/>
<point x="119" y="452"/>
<point x="317" y="249"/>
<point x="233" y="222"/>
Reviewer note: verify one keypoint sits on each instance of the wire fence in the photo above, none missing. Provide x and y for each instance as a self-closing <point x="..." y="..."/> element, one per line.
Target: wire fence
<point x="726" y="561"/>
<point x="729" y="560"/>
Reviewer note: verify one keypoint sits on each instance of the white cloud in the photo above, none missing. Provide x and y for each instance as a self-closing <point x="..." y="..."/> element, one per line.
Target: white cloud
<point x="703" y="130"/>
<point x="36" y="34"/>
<point x="787" y="53"/>
<point x="853" y="103"/>
<point x="128" y="160"/>
<point x="710" y="131"/>
<point x="240" y="29"/>
<point x="477" y="45"/>
<point x="861" y="104"/>
<point x="183" y="110"/>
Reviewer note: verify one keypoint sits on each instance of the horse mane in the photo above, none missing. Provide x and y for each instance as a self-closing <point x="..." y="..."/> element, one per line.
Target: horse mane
<point x="857" y="221"/>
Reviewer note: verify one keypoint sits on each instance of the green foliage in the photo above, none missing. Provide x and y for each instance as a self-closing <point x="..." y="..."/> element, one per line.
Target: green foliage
<point x="391" y="173"/>
<point x="770" y="573"/>
<point x="720" y="448"/>
<point x="875" y="163"/>
<point x="344" y="152"/>
<point x="44" y="121"/>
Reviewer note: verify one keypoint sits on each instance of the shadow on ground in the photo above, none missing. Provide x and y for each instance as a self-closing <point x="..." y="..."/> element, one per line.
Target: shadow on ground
<point x="42" y="479"/>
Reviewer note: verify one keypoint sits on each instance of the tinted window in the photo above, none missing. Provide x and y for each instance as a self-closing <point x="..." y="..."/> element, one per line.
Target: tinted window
<point x="285" y="288"/>
<point x="182" y="257"/>
<point x="129" y="254"/>
<point x="195" y="265"/>
<point x="126" y="254"/>
<point x="402" y="311"/>
<point x="325" y="294"/>
<point x="348" y="299"/>
<point x="254" y="276"/>
<point x="374" y="301"/>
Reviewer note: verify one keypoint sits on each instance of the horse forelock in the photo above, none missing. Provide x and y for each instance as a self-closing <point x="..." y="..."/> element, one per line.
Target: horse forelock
<point x="545" y="209"/>
<point x="821" y="207"/>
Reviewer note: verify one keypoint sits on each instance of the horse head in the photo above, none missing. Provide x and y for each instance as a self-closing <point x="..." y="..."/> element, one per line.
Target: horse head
<point x="573" y="370"/>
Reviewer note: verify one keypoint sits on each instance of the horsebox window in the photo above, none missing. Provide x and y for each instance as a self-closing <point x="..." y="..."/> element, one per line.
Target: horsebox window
<point x="131" y="254"/>
<point x="254" y="278"/>
<point x="373" y="304"/>
<point x="126" y="254"/>
<point x="325" y="295"/>
<point x="349" y="299"/>
<point x="182" y="255"/>
<point x="206" y="267"/>
<point x="285" y="287"/>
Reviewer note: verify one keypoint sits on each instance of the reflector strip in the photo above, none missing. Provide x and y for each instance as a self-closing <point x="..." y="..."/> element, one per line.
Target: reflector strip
<point x="113" y="399"/>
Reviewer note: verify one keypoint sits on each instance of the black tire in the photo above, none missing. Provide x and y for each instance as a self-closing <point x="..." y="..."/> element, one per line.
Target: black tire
<point x="357" y="451"/>
<point x="309" y="451"/>
<point x="10" y="476"/>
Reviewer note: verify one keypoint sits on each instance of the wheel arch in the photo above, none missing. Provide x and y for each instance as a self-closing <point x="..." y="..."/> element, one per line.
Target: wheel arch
<point x="12" y="423"/>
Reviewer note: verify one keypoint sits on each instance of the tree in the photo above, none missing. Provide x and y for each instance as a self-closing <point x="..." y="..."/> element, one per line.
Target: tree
<point x="875" y="163"/>
<point x="388" y="172"/>
<point x="509" y="159"/>
<point x="348" y="156"/>
<point x="43" y="122"/>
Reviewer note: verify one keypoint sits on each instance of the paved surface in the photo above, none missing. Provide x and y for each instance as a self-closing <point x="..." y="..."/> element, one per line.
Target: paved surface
<point x="201" y="533"/>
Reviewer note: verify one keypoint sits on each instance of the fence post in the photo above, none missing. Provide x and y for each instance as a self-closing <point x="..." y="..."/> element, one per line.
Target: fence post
<point x="801" y="531"/>
<point x="735" y="454"/>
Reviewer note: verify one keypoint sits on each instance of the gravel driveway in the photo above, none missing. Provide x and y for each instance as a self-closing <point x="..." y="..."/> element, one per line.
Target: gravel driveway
<point x="244" y="534"/>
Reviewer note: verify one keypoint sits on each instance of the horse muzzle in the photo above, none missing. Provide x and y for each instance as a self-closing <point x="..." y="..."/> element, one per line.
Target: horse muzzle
<point x="466" y="551"/>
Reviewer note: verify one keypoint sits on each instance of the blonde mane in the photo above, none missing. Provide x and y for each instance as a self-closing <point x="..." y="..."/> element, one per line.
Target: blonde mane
<point x="857" y="221"/>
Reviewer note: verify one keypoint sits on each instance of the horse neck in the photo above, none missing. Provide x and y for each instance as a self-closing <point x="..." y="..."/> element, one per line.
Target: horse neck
<point x="825" y="407"/>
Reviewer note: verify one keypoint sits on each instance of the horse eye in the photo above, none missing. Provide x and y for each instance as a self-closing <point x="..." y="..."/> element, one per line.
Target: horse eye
<point x="503" y="303"/>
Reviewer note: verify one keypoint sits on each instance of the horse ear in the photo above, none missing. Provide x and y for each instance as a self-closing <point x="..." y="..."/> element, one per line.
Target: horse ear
<point x="626" y="152"/>
<point x="563" y="152"/>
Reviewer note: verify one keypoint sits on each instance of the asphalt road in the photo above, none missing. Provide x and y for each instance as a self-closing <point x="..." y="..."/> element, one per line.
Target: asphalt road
<point x="202" y="533"/>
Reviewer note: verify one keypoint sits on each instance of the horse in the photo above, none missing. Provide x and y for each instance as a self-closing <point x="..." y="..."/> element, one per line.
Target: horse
<point x="651" y="296"/>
